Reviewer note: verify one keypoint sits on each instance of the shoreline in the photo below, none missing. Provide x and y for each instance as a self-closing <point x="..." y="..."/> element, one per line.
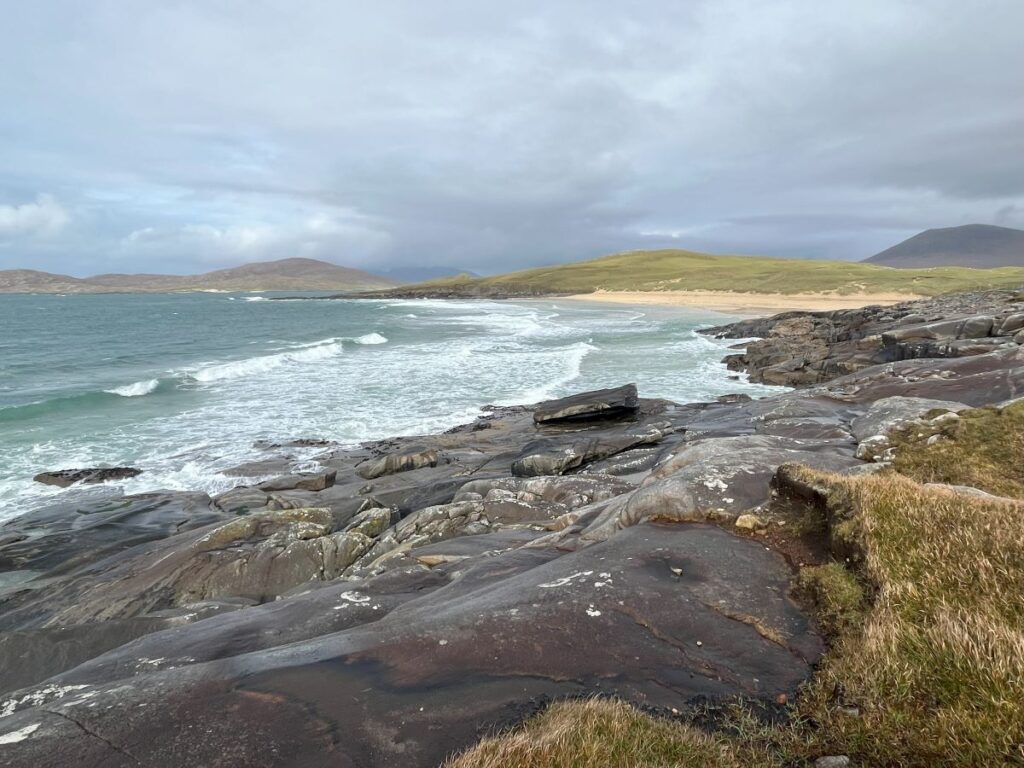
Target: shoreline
<point x="525" y="527"/>
<point x="753" y="304"/>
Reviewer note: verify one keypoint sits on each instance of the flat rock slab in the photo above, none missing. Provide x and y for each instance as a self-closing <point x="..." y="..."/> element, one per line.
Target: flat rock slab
<point x="405" y="668"/>
<point x="61" y="536"/>
<point x="600" y="404"/>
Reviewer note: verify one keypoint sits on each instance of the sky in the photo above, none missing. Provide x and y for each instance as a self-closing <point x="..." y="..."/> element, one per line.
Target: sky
<point x="186" y="135"/>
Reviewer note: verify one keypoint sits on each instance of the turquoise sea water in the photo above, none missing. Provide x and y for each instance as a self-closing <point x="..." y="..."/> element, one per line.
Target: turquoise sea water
<point x="182" y="385"/>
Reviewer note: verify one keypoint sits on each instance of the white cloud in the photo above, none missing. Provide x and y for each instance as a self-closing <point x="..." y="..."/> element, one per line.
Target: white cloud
<point x="43" y="217"/>
<point x="332" y="234"/>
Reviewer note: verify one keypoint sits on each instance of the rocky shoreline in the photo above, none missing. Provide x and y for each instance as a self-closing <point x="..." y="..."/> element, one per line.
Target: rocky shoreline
<point x="414" y="594"/>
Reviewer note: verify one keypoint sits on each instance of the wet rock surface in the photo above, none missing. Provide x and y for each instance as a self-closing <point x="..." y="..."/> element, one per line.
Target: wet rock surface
<point x="416" y="593"/>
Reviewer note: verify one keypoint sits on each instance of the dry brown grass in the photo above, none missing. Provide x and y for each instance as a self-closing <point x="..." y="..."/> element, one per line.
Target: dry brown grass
<point x="983" y="449"/>
<point x="600" y="732"/>
<point x="937" y="668"/>
<point x="931" y="673"/>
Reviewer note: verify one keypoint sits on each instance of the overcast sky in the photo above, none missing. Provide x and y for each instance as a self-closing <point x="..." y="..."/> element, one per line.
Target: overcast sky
<point x="186" y="135"/>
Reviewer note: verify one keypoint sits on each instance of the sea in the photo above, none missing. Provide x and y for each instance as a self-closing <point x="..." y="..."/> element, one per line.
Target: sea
<point x="183" y="385"/>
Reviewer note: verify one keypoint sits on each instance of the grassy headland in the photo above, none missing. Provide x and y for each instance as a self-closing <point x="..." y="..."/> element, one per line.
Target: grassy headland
<point x="678" y="270"/>
<point x="924" y="621"/>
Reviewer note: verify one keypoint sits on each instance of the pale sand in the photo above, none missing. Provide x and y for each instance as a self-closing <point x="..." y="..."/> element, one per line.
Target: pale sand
<point x="745" y="303"/>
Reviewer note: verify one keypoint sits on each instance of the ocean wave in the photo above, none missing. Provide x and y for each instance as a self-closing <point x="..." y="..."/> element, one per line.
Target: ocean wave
<point x="311" y="344"/>
<point x="572" y="366"/>
<point x="367" y="338"/>
<point x="83" y="402"/>
<point x="371" y="338"/>
<point x="256" y="365"/>
<point x="254" y="298"/>
<point x="138" y="389"/>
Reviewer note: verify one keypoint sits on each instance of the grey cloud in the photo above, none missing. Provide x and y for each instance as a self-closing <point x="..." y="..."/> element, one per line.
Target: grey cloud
<point x="185" y="135"/>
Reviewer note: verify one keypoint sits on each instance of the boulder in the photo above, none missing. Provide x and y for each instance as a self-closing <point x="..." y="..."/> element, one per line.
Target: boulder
<point x="620" y="402"/>
<point x="64" y="478"/>
<point x="1007" y="326"/>
<point x="241" y="500"/>
<point x="397" y="462"/>
<point x="312" y="481"/>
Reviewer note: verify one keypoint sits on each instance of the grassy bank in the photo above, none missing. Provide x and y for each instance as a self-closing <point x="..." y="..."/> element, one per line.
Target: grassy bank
<point x="678" y="270"/>
<point x="925" y="622"/>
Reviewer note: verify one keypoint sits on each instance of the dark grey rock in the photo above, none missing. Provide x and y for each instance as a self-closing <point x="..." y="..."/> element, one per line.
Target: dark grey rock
<point x="557" y="455"/>
<point x="269" y="684"/>
<point x="805" y="348"/>
<point x="314" y="481"/>
<point x="620" y="402"/>
<point x="398" y="462"/>
<point x="64" y="478"/>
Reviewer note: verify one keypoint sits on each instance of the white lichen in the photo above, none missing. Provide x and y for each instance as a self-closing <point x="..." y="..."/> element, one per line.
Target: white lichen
<point x="566" y="580"/>
<point x="19" y="735"/>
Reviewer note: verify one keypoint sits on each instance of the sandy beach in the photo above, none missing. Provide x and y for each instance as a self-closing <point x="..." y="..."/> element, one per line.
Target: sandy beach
<point x="744" y="303"/>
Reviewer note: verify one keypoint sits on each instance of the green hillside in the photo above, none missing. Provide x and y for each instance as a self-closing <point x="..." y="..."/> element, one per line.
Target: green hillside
<point x="676" y="270"/>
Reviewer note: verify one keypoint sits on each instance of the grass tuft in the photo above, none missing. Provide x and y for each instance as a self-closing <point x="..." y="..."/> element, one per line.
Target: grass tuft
<point x="837" y="596"/>
<point x="600" y="732"/>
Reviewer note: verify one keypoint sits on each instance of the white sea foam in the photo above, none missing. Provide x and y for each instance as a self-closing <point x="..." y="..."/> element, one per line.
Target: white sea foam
<point x="367" y="338"/>
<point x="255" y="298"/>
<point x="256" y="365"/>
<point x="310" y="344"/>
<point x="571" y="359"/>
<point x="138" y="389"/>
<point x="371" y="338"/>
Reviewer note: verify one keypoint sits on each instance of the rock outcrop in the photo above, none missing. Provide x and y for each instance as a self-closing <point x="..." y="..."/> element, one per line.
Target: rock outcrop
<point x="63" y="478"/>
<point x="415" y="593"/>
<point x="804" y="348"/>
<point x="603" y="404"/>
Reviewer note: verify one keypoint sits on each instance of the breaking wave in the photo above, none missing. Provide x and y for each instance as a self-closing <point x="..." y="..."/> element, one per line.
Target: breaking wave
<point x="138" y="389"/>
<point x="256" y="365"/>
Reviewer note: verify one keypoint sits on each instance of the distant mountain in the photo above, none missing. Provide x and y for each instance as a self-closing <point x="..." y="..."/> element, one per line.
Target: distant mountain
<point x="973" y="245"/>
<point x="34" y="281"/>
<point x="283" y="275"/>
